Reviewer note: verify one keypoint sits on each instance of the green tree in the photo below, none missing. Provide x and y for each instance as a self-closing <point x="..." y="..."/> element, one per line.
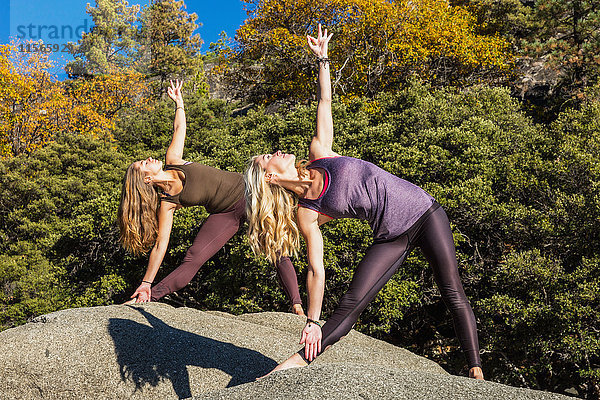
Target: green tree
<point x="522" y="197"/>
<point x="111" y="44"/>
<point x="59" y="241"/>
<point x="508" y="18"/>
<point x="561" y="37"/>
<point x="170" y="47"/>
<point x="569" y="34"/>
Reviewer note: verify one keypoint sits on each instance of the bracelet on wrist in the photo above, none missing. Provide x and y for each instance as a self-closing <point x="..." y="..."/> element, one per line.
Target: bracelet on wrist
<point x="312" y="321"/>
<point x="148" y="282"/>
<point x="179" y="108"/>
<point x="322" y="60"/>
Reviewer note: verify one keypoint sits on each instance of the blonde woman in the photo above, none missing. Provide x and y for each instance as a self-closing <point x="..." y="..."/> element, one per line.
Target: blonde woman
<point x="151" y="195"/>
<point x="401" y="215"/>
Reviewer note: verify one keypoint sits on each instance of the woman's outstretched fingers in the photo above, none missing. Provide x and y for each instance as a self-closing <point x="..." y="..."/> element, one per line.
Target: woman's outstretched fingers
<point x="142" y="293"/>
<point x="314" y="45"/>
<point x="303" y="338"/>
<point x="319" y="44"/>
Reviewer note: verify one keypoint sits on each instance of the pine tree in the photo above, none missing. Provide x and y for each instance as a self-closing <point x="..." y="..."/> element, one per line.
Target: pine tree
<point x="569" y="35"/>
<point x="111" y="44"/>
<point x="170" y="47"/>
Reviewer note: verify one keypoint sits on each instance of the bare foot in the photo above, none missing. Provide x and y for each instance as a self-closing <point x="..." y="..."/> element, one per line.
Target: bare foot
<point x="476" y="373"/>
<point x="294" y="361"/>
<point x="297" y="309"/>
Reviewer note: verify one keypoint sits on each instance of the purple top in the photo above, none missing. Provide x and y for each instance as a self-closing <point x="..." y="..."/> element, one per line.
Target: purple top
<point x="356" y="188"/>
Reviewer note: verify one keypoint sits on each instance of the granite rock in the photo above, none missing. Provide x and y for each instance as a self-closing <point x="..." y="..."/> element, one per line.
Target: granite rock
<point x="155" y="351"/>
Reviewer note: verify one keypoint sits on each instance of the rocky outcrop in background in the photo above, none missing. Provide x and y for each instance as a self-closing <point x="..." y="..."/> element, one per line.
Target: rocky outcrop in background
<point x="155" y="351"/>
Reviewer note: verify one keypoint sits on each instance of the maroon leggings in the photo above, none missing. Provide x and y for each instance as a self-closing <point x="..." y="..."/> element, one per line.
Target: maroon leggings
<point x="433" y="235"/>
<point x="214" y="233"/>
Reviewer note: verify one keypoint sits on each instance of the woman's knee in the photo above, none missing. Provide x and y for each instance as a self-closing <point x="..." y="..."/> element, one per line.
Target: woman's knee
<point x="455" y="299"/>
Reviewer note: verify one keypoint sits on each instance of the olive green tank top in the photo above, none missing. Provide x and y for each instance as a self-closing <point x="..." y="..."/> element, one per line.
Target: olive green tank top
<point x="206" y="186"/>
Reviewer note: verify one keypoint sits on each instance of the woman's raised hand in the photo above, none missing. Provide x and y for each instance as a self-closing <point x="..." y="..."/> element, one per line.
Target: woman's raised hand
<point x="319" y="44"/>
<point x="174" y="92"/>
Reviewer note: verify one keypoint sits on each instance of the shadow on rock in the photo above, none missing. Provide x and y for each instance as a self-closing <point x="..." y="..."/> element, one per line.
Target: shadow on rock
<point x="149" y="354"/>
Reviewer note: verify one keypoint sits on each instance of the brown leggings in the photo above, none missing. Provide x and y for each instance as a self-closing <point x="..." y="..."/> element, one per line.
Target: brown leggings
<point x="214" y="233"/>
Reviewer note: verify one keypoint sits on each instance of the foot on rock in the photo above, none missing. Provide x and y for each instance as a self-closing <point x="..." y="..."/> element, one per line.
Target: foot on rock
<point x="294" y="361"/>
<point x="476" y="373"/>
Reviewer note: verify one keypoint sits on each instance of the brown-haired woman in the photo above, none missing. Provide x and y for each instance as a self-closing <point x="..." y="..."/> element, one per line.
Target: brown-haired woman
<point x="151" y="195"/>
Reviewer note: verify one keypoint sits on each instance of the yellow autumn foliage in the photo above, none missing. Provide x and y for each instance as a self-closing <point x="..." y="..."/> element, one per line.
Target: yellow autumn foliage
<point x="34" y="105"/>
<point x="377" y="45"/>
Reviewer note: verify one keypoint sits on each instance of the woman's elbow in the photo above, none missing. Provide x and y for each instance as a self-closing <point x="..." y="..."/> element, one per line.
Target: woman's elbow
<point x="316" y="272"/>
<point x="160" y="246"/>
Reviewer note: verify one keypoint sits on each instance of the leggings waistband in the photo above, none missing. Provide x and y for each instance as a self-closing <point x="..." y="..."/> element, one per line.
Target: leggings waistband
<point x="414" y="227"/>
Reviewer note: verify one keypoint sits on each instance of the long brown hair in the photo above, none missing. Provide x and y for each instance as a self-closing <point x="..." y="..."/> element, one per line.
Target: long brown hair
<point x="138" y="212"/>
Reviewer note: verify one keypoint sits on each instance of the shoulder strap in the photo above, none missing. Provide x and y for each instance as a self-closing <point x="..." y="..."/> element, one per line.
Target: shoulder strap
<point x="177" y="166"/>
<point x="172" y="166"/>
<point x="169" y="198"/>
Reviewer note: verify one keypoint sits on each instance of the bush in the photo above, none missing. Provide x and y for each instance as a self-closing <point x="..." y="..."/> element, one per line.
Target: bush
<point x="523" y="200"/>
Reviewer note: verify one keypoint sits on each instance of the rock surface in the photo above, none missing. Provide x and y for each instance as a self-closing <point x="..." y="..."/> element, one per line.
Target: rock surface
<point x="537" y="79"/>
<point x="353" y="381"/>
<point x="155" y="351"/>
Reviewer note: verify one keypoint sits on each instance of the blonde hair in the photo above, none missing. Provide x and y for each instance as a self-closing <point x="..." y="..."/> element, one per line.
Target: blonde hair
<point x="138" y="213"/>
<point x="271" y="211"/>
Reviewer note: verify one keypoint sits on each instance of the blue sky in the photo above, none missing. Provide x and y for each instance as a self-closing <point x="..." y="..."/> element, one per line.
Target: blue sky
<point x="61" y="21"/>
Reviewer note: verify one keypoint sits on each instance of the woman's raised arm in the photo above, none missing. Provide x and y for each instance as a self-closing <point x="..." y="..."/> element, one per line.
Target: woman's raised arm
<point x="323" y="139"/>
<point x="175" y="150"/>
